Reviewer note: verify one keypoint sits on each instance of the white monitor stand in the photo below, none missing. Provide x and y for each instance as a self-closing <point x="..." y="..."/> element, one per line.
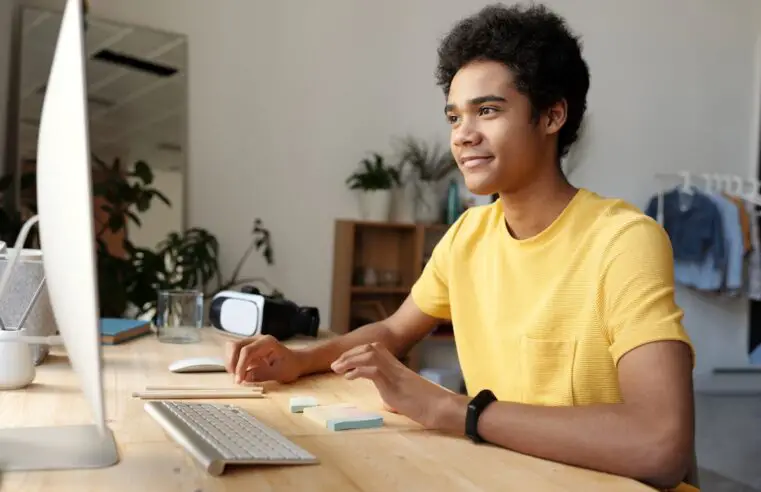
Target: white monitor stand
<point x="64" y="196"/>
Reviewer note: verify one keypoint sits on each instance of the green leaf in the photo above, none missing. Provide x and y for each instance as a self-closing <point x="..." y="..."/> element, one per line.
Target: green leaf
<point x="161" y="197"/>
<point x="143" y="202"/>
<point x="373" y="174"/>
<point x="143" y="171"/>
<point x="100" y="162"/>
<point x="99" y="189"/>
<point x="116" y="222"/>
<point x="129" y="247"/>
<point x="134" y="218"/>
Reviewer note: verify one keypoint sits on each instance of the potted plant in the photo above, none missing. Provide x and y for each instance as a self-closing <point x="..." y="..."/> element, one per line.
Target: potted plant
<point x="129" y="276"/>
<point x="429" y="165"/>
<point x="374" y="182"/>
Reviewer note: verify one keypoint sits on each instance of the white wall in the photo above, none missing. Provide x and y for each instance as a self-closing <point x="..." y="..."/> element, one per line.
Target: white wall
<point x="285" y="98"/>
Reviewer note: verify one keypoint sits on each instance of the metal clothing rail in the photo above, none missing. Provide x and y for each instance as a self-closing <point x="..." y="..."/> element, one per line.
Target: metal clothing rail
<point x="743" y="188"/>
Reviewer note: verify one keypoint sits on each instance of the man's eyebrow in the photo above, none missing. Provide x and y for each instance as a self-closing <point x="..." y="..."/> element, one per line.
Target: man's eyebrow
<point x="477" y="100"/>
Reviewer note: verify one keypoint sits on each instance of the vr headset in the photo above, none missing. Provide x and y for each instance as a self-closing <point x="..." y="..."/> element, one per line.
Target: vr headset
<point x="249" y="313"/>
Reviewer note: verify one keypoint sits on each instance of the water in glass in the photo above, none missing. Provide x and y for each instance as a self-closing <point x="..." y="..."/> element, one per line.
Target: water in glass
<point x="180" y="316"/>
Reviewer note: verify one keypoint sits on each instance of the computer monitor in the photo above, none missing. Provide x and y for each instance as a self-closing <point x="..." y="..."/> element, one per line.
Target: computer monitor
<point x="66" y="226"/>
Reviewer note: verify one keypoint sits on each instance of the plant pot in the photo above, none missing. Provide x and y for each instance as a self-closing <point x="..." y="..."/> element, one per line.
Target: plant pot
<point x="375" y="205"/>
<point x="428" y="203"/>
<point x="403" y="203"/>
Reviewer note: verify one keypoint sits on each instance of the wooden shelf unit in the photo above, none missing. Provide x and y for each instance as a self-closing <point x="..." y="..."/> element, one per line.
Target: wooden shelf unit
<point x="396" y="253"/>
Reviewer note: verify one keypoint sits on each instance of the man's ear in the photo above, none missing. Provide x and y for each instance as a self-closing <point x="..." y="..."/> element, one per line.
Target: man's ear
<point x="556" y="116"/>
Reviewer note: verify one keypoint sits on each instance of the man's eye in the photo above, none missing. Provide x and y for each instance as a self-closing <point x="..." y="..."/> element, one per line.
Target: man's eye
<point x="486" y="110"/>
<point x="451" y="118"/>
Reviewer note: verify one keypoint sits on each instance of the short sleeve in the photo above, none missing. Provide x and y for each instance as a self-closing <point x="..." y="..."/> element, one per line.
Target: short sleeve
<point x="431" y="291"/>
<point x="637" y="288"/>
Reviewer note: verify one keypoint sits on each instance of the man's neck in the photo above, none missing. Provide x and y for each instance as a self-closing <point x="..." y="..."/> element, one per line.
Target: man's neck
<point x="532" y="209"/>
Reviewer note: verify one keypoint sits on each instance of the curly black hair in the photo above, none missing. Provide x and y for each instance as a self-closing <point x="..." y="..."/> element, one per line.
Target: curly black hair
<point x="542" y="53"/>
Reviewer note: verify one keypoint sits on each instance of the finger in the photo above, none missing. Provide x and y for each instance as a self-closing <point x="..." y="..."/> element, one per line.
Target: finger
<point x="251" y="355"/>
<point x="263" y="370"/>
<point x="353" y="361"/>
<point x="365" y="372"/>
<point x="382" y="351"/>
<point x="232" y="350"/>
<point x="250" y="377"/>
<point x="385" y="354"/>
<point x="359" y="349"/>
<point x="255" y="375"/>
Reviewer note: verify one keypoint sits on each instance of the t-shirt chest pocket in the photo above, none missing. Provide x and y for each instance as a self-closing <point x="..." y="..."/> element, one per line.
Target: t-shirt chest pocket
<point x="547" y="370"/>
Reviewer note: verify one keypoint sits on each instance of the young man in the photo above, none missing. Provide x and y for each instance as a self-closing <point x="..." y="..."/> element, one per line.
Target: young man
<point x="562" y="301"/>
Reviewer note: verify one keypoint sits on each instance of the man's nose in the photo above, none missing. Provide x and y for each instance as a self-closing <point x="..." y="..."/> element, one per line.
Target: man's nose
<point x="466" y="133"/>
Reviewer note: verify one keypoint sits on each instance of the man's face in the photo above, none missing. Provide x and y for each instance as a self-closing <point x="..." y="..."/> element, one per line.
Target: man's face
<point x="494" y="140"/>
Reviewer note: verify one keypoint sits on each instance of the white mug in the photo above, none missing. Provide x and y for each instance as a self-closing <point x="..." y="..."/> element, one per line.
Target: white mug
<point x="16" y="363"/>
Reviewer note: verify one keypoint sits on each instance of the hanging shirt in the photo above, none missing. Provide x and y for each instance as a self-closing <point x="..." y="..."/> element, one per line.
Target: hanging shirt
<point x="744" y="220"/>
<point x="733" y="239"/>
<point x="754" y="260"/>
<point x="709" y="274"/>
<point x="693" y="223"/>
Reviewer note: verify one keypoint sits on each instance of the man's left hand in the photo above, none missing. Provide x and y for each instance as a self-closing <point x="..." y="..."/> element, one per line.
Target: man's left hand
<point x="401" y="389"/>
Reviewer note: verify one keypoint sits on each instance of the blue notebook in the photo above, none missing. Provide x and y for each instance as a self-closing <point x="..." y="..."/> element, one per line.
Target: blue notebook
<point x="117" y="330"/>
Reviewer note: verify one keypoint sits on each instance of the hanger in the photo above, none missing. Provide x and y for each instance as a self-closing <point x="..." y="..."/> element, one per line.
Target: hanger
<point x="739" y="187"/>
<point x="709" y="182"/>
<point x="687" y="185"/>
<point x="723" y="183"/>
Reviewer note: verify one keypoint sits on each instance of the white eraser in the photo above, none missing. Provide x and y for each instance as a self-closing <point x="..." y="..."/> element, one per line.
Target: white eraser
<point x="299" y="403"/>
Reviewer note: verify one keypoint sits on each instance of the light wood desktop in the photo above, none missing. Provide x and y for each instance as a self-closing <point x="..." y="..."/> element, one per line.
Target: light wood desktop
<point x="399" y="456"/>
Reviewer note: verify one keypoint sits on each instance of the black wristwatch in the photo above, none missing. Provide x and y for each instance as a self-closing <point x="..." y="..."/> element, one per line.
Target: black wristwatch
<point x="476" y="406"/>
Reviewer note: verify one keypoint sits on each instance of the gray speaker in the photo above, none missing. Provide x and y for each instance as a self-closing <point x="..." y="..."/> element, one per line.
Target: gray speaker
<point x="26" y="280"/>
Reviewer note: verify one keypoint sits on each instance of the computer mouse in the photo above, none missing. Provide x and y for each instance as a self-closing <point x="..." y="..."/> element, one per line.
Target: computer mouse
<point x="198" y="364"/>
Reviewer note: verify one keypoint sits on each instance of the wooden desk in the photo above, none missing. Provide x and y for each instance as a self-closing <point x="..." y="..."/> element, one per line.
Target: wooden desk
<point x="399" y="456"/>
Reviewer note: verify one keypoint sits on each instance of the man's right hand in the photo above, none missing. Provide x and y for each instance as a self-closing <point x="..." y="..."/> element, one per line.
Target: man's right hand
<point x="262" y="358"/>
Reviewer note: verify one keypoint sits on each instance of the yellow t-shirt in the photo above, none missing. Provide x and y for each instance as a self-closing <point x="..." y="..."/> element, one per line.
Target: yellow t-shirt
<point x="545" y="320"/>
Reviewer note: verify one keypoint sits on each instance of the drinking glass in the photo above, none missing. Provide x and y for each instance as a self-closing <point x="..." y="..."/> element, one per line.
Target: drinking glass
<point x="179" y="316"/>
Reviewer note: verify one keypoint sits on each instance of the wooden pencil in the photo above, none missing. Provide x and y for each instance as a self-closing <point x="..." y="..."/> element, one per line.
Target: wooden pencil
<point x="190" y="394"/>
<point x="203" y="388"/>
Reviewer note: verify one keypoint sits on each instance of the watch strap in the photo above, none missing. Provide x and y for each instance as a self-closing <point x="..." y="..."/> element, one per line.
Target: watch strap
<point x="475" y="408"/>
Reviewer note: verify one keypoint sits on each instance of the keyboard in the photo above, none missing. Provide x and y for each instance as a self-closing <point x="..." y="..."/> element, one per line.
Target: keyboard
<point x="218" y="435"/>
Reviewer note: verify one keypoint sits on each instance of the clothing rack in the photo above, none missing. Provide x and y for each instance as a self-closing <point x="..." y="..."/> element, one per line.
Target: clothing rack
<point x="743" y="188"/>
<point x="738" y="380"/>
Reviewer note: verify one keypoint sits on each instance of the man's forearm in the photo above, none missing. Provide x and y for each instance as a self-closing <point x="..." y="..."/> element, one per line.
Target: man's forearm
<point x="609" y="438"/>
<point x="318" y="358"/>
